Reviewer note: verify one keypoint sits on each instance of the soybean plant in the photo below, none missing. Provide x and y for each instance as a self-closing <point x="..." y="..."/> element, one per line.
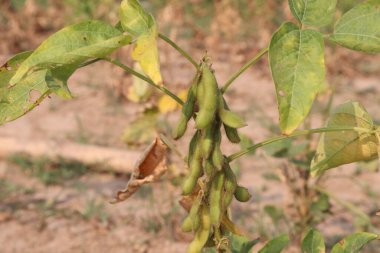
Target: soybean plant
<point x="296" y="57"/>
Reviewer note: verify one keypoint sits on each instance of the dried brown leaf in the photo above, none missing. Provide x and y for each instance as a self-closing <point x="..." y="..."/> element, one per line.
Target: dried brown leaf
<point x="149" y="168"/>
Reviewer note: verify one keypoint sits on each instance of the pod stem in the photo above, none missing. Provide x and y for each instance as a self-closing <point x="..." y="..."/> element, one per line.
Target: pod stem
<point x="295" y="134"/>
<point x="251" y="62"/>
<point x="179" y="49"/>
<point x="146" y="79"/>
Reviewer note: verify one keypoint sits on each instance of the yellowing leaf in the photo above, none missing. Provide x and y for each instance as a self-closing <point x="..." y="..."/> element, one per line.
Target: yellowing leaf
<point x="149" y="168"/>
<point x="140" y="91"/>
<point x="358" y="29"/>
<point x="298" y="70"/>
<point x="343" y="147"/>
<point x="136" y="21"/>
<point x="354" y="243"/>
<point x="313" y="12"/>
<point x="167" y="104"/>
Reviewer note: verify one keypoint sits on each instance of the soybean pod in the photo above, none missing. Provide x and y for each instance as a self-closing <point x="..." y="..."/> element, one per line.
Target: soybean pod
<point x="192" y="221"/>
<point x="187" y="112"/>
<point x="242" y="194"/>
<point x="217" y="155"/>
<point x="228" y="117"/>
<point x="207" y="97"/>
<point x="192" y="146"/>
<point x="232" y="134"/>
<point x="229" y="186"/>
<point x="207" y="140"/>
<point x="215" y="198"/>
<point x="203" y="233"/>
<point x="195" y="164"/>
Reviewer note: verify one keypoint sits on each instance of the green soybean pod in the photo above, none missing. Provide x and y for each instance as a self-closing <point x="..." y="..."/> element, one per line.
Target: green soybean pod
<point x="186" y="114"/>
<point x="203" y="233"/>
<point x="207" y="98"/>
<point x="229" y="117"/>
<point x="209" y="169"/>
<point x="215" y="198"/>
<point x="195" y="164"/>
<point x="192" y="146"/>
<point x="242" y="194"/>
<point x="207" y="141"/>
<point x="229" y="186"/>
<point x="232" y="134"/>
<point x="192" y="221"/>
<point x="217" y="155"/>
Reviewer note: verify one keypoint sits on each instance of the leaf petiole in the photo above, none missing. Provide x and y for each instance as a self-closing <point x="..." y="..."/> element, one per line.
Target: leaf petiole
<point x="295" y="134"/>
<point x="253" y="61"/>
<point x="179" y="49"/>
<point x="146" y="79"/>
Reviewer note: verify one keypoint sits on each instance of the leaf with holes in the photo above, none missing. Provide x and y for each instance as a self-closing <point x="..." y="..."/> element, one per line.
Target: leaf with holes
<point x="313" y="12"/>
<point x="298" y="70"/>
<point x="19" y="99"/>
<point x="343" y="147"/>
<point x="140" y="24"/>
<point x="353" y="243"/>
<point x="359" y="28"/>
<point x="73" y="45"/>
<point x="313" y="242"/>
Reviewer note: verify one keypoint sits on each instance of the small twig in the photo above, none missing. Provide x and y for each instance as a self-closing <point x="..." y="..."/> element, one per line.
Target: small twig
<point x="253" y="61"/>
<point x="146" y="79"/>
<point x="179" y="49"/>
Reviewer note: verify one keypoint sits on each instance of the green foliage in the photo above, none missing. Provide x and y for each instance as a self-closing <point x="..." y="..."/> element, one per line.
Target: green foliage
<point x="298" y="70"/>
<point x="313" y="242"/>
<point x="337" y="148"/>
<point x="358" y="29"/>
<point x="73" y="45"/>
<point x="297" y="64"/>
<point x="276" y="245"/>
<point x="240" y="244"/>
<point x="353" y="243"/>
<point x="313" y="12"/>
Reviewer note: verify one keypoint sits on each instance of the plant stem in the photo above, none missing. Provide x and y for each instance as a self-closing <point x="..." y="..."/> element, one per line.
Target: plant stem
<point x="146" y="79"/>
<point x="253" y="61"/>
<point x="295" y="134"/>
<point x="179" y="49"/>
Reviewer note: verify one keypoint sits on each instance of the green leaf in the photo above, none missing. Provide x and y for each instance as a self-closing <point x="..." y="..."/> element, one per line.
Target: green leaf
<point x="240" y="244"/>
<point x="298" y="70"/>
<point x="353" y="243"/>
<point x="343" y="147"/>
<point x="313" y="12"/>
<point x="72" y="46"/>
<point x="57" y="78"/>
<point x="140" y="91"/>
<point x="19" y="99"/>
<point x="359" y="28"/>
<point x="136" y="21"/>
<point x="313" y="242"/>
<point x="276" y="245"/>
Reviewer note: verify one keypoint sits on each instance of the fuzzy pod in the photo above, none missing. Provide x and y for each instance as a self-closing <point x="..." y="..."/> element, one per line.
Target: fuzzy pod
<point x="203" y="233"/>
<point x="207" y="97"/>
<point x="215" y="198"/>
<point x="242" y="194"/>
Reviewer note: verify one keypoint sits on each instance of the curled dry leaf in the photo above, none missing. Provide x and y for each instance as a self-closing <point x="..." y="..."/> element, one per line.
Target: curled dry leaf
<point x="149" y="168"/>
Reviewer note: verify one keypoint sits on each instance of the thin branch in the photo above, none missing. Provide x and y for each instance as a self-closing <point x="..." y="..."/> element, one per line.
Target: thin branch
<point x="179" y="49"/>
<point x="146" y="79"/>
<point x="295" y="134"/>
<point x="253" y="61"/>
